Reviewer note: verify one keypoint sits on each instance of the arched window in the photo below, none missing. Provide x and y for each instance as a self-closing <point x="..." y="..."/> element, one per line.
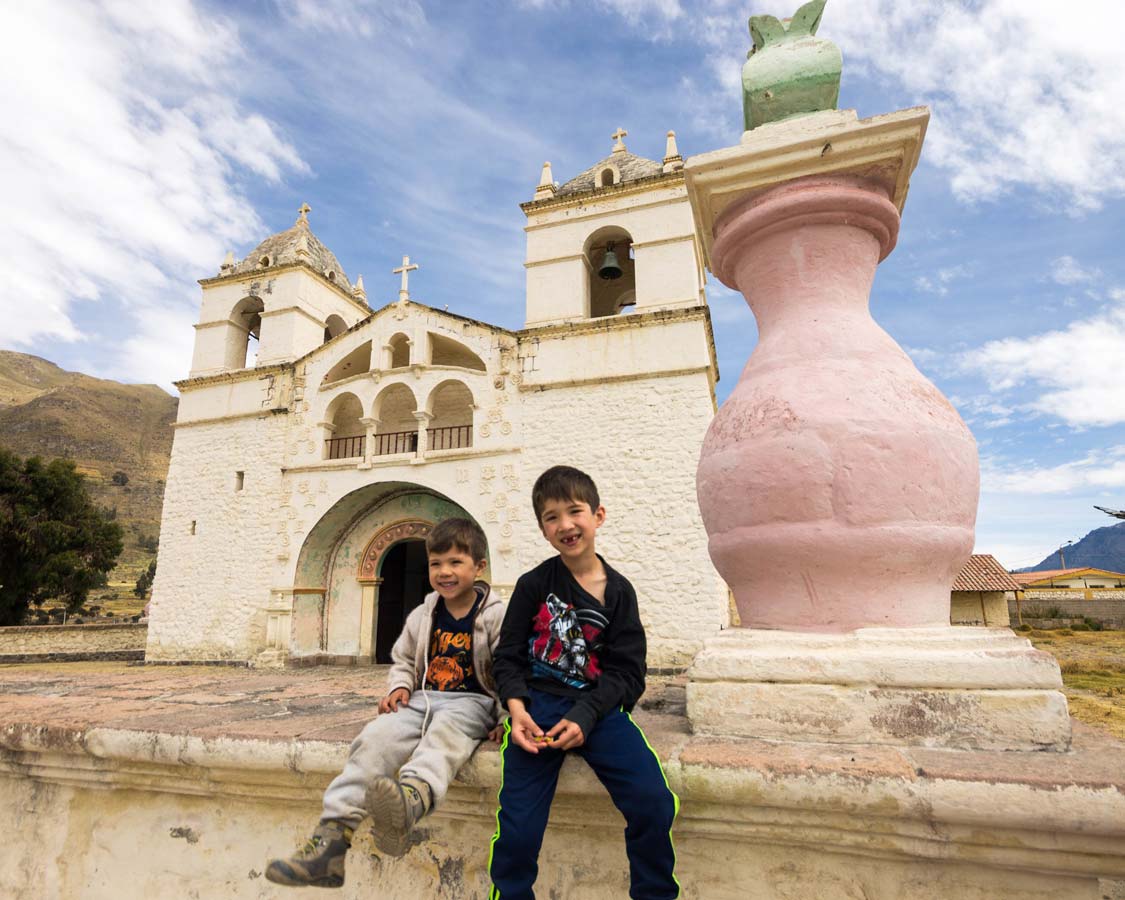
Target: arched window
<point x="451" y="405"/>
<point x="347" y="431"/>
<point x="400" y="351"/>
<point x="355" y="363"/>
<point x="244" y="332"/>
<point x="398" y="428"/>
<point x="606" y="178"/>
<point x="612" y="282"/>
<point x="448" y="352"/>
<point x="333" y="326"/>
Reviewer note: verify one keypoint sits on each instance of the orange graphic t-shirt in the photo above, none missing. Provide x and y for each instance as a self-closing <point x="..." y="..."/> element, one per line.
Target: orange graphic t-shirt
<point x="451" y="652"/>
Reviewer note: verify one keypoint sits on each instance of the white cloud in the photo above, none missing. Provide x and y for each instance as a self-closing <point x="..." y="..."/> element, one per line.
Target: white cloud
<point x="939" y="283"/>
<point x="1067" y="270"/>
<point x="1099" y="469"/>
<point x="985" y="411"/>
<point x="120" y="162"/>
<point x="362" y="17"/>
<point x="1077" y="369"/>
<point x="1022" y="93"/>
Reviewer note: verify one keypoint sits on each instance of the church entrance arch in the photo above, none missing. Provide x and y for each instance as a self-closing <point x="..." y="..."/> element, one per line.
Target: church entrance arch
<point x="394" y="563"/>
<point x="403" y="584"/>
<point x="362" y="569"/>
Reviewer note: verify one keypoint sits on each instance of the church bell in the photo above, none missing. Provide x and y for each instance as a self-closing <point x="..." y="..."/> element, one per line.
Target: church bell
<point x="610" y="269"/>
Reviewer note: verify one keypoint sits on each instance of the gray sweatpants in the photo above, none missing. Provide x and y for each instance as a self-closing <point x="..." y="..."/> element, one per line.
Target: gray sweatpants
<point x="393" y="744"/>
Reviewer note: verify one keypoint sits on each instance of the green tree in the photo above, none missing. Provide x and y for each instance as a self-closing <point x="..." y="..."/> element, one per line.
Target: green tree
<point x="144" y="582"/>
<point x="55" y="543"/>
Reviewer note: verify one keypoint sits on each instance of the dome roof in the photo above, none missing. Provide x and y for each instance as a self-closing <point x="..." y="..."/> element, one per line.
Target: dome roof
<point x="295" y="245"/>
<point x="630" y="167"/>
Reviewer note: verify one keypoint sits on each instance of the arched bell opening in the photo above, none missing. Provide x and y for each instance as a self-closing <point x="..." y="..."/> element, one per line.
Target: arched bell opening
<point x="612" y="281"/>
<point x="334" y="325"/>
<point x="244" y="332"/>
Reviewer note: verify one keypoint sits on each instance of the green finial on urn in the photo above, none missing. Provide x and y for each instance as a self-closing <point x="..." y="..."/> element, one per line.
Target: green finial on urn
<point x="789" y="72"/>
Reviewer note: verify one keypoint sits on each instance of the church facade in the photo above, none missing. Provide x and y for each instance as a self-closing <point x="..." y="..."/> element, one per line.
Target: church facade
<point x="304" y="479"/>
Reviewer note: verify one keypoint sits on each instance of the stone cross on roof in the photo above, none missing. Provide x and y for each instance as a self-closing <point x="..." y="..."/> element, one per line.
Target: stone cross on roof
<point x="304" y="214"/>
<point x="619" y="146"/>
<point x="406" y="268"/>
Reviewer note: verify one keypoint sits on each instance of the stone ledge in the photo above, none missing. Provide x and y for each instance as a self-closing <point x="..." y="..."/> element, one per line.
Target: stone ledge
<point x="83" y="656"/>
<point x="278" y="737"/>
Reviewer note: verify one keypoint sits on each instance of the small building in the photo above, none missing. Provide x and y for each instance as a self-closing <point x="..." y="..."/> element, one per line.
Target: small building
<point x="1080" y="592"/>
<point x="1074" y="579"/>
<point x="981" y="592"/>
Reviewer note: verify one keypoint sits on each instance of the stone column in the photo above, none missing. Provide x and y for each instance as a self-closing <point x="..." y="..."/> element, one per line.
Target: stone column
<point x="837" y="485"/>
<point x="424" y="418"/>
<point x="327" y="430"/>
<point x="370" y="429"/>
<point x="368" y="619"/>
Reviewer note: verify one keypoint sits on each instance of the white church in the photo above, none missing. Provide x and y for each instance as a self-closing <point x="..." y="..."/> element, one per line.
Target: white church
<point x="305" y="476"/>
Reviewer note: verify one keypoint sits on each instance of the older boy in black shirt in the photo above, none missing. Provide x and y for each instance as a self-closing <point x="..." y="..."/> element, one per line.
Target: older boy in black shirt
<point x="571" y="660"/>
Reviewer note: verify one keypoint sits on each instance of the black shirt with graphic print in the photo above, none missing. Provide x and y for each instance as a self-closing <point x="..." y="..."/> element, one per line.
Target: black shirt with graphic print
<point x="451" y="651"/>
<point x="559" y="639"/>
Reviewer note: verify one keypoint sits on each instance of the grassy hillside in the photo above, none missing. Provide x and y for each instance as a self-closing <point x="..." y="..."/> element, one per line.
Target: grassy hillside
<point x="106" y="428"/>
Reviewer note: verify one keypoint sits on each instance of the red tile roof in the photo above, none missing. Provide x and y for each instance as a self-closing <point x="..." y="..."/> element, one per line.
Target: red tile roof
<point x="984" y="573"/>
<point x="1027" y="578"/>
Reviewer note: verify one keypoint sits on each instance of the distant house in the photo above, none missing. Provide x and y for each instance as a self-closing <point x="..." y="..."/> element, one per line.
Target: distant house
<point x="1075" y="593"/>
<point x="1081" y="579"/>
<point x="981" y="592"/>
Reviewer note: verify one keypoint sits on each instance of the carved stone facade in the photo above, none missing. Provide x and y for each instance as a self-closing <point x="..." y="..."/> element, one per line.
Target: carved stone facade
<point x="291" y="482"/>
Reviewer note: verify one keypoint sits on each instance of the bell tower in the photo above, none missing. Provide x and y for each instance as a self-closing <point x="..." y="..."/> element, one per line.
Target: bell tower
<point x="616" y="238"/>
<point x="287" y="297"/>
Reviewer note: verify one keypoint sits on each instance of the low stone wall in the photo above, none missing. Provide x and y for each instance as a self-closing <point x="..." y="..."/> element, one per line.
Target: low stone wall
<point x="1051" y="595"/>
<point x="26" y="643"/>
<point x="1109" y="610"/>
<point x="159" y="783"/>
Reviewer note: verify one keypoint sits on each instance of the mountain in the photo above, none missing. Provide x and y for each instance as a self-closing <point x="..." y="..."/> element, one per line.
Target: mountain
<point x="118" y="435"/>
<point x="1102" y="548"/>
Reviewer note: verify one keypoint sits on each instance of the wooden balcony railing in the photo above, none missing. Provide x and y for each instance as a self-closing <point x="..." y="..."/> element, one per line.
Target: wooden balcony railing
<point x="396" y="442"/>
<point x="345" y="447"/>
<point x="450" y="437"/>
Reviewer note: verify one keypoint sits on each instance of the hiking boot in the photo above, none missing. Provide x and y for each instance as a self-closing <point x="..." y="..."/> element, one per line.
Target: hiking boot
<point x="394" y="807"/>
<point x="319" y="863"/>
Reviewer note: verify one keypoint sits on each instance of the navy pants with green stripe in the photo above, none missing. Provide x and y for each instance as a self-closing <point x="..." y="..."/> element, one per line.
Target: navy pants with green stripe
<point x="620" y="756"/>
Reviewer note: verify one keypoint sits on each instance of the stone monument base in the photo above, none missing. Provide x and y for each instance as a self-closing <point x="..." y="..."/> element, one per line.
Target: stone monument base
<point x="964" y="688"/>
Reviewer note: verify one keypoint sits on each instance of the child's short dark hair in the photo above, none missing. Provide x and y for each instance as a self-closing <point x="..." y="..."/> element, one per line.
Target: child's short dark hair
<point x="563" y="483"/>
<point x="463" y="534"/>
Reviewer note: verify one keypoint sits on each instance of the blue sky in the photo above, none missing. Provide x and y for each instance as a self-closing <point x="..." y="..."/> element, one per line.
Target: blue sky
<point x="143" y="141"/>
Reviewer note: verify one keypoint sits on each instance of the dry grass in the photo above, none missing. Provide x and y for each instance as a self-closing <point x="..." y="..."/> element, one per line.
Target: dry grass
<point x="1093" y="670"/>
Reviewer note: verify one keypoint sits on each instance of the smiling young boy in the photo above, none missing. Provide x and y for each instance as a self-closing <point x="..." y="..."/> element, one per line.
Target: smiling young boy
<point x="570" y="666"/>
<point x="441" y="702"/>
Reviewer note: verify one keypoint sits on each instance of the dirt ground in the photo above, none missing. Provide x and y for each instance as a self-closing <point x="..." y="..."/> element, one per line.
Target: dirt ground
<point x="1093" y="670"/>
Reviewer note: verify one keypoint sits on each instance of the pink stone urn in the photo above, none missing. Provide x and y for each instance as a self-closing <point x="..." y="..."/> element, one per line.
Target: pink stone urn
<point x="837" y="484"/>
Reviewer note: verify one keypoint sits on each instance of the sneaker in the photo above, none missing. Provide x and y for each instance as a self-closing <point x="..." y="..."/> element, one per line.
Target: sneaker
<point x="394" y="807"/>
<point x="320" y="863"/>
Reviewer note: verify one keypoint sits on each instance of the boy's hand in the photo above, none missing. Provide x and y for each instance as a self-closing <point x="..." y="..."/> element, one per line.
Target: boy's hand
<point x="524" y="729"/>
<point x="567" y="735"/>
<point x="394" y="700"/>
<point x="496" y="735"/>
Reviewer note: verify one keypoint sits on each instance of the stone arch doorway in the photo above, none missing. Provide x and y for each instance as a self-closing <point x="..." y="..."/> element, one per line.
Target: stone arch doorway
<point x="338" y="593"/>
<point x="403" y="583"/>
<point x="395" y="576"/>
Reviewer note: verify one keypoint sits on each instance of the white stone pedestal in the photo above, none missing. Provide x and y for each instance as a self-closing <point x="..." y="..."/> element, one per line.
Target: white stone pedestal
<point x="956" y="687"/>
